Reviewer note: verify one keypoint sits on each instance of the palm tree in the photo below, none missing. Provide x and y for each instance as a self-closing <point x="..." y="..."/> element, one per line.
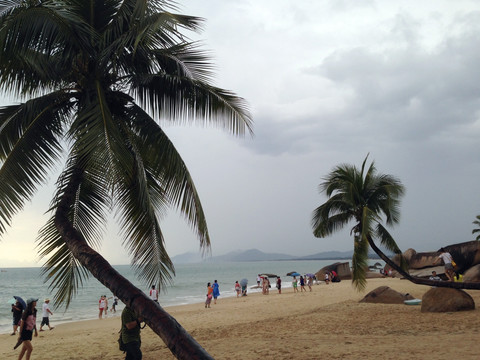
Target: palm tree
<point x="96" y="80"/>
<point x="368" y="199"/>
<point x="477" y="230"/>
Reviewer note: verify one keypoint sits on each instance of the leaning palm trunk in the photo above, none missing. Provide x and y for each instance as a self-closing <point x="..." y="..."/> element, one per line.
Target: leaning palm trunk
<point x="415" y="280"/>
<point x="177" y="339"/>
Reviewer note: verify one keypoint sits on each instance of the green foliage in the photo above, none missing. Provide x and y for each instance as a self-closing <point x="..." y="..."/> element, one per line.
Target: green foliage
<point x="95" y="79"/>
<point x="367" y="199"/>
<point x="477" y="230"/>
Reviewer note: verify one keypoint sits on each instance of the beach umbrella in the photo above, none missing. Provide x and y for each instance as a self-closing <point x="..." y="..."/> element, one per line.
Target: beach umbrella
<point x="310" y="275"/>
<point x="21" y="301"/>
<point x="244" y="282"/>
<point x="293" y="274"/>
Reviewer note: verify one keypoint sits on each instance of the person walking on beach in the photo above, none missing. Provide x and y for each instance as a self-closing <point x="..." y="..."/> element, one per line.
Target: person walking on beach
<point x="310" y="282"/>
<point x="302" y="284"/>
<point x="154" y="294"/>
<point x="238" y="288"/>
<point x="259" y="279"/>
<point x="216" y="291"/>
<point x="131" y="334"/>
<point x="447" y="261"/>
<point x="101" y="306"/>
<point x="279" y="284"/>
<point x="27" y="327"/>
<point x="46" y="312"/>
<point x="106" y="305"/>
<point x="209" y="295"/>
<point x="114" y="305"/>
<point x="327" y="277"/>
<point x="294" y="284"/>
<point x="17" y="316"/>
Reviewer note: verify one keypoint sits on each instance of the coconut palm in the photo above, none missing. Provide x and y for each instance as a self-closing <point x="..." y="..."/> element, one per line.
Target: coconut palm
<point x="477" y="230"/>
<point x="95" y="81"/>
<point x="370" y="200"/>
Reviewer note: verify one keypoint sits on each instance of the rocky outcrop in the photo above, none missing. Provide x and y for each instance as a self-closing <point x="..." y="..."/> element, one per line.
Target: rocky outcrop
<point x="446" y="300"/>
<point x="342" y="269"/>
<point x="386" y="295"/>
<point x="466" y="255"/>
<point x="472" y="274"/>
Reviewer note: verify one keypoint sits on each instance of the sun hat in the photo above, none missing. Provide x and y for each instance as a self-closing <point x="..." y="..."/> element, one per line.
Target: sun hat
<point x="31" y="300"/>
<point x="46" y="299"/>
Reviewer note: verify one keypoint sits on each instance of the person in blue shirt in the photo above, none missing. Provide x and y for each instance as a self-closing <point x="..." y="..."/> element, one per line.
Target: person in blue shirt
<point x="216" y="291"/>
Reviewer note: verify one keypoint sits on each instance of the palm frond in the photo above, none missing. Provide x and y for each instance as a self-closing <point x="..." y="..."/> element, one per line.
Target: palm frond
<point x="29" y="148"/>
<point x="169" y="173"/>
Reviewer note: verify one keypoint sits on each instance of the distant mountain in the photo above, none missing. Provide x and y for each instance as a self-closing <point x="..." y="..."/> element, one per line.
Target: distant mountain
<point x="187" y="258"/>
<point x="250" y="255"/>
<point x="328" y="255"/>
<point x="257" y="255"/>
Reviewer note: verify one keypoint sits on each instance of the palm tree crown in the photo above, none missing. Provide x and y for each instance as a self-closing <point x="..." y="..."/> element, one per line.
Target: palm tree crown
<point x="367" y="199"/>
<point x="97" y="78"/>
<point x="477" y="230"/>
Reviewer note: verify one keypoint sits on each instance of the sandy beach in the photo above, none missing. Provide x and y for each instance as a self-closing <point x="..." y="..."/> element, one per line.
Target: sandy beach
<point x="327" y="323"/>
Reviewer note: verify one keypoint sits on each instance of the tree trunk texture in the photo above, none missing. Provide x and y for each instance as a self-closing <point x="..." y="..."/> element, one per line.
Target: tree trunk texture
<point x="178" y="340"/>
<point x="421" y="281"/>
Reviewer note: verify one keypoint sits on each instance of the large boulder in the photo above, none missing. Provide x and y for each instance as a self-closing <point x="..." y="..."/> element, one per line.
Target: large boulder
<point x="466" y="255"/>
<point x="386" y="295"/>
<point x="446" y="300"/>
<point x="342" y="269"/>
<point x="472" y="274"/>
<point x="417" y="260"/>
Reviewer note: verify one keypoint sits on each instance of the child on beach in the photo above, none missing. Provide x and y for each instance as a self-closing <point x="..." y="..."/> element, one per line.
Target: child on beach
<point x="209" y="295"/>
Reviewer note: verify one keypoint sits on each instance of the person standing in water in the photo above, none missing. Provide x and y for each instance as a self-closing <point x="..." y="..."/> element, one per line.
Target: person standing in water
<point x="102" y="306"/>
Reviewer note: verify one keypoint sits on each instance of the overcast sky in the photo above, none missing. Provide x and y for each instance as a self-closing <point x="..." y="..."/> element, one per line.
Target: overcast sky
<point x="327" y="83"/>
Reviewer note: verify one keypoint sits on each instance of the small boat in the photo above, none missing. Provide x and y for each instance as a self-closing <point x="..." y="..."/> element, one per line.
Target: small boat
<point x="413" y="302"/>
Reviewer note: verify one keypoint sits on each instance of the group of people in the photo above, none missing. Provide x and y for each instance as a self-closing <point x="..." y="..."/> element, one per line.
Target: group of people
<point x="308" y="280"/>
<point x="213" y="291"/>
<point x="331" y="276"/>
<point x="24" y="321"/>
<point x="240" y="289"/>
<point x="103" y="305"/>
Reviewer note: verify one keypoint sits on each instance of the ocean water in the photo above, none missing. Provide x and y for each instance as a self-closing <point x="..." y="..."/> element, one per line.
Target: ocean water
<point x="188" y="287"/>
